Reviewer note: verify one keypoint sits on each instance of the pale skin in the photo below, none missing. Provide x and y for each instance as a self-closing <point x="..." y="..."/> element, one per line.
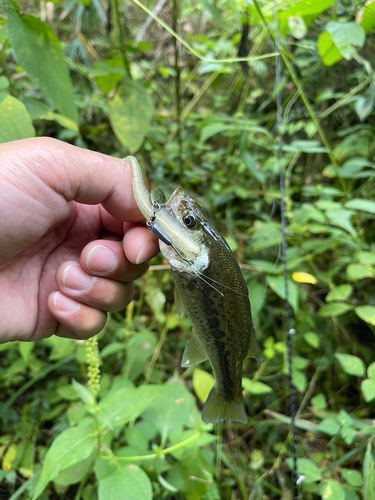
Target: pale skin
<point x="71" y="240"/>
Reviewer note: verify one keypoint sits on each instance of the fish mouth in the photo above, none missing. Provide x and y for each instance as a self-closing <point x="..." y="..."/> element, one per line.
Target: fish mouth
<point x="178" y="235"/>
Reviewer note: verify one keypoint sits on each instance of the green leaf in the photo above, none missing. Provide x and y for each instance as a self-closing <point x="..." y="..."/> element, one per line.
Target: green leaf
<point x="309" y="470"/>
<point x="366" y="17"/>
<point x="15" y="121"/>
<point x="276" y="283"/>
<point x="297" y="26"/>
<point x="214" y="11"/>
<point x="368" y="389"/>
<point x="130" y="113"/>
<point x="329" y="53"/>
<point x="299" y="380"/>
<point x="344" y="418"/>
<point x="319" y="401"/>
<point x="339" y="41"/>
<point x="255" y="387"/>
<point x="72" y="446"/>
<point x="202" y="384"/>
<point x="172" y="408"/>
<point x="366" y="257"/>
<point x="352" y="477"/>
<point x="83" y="393"/>
<point x="358" y="272"/>
<point x="304" y="8"/>
<point x="347" y="433"/>
<point x="256" y="459"/>
<point x="128" y="482"/>
<point x="371" y="371"/>
<point x="195" y="473"/>
<point x="341" y="218"/>
<point x="76" y="472"/>
<point x="362" y="205"/>
<point x="345" y="35"/>
<point x="108" y="73"/>
<point x="364" y="105"/>
<point x="351" y="364"/>
<point x="341" y="292"/>
<point x="367" y="313"/>
<point x="25" y="349"/>
<point x="312" y="339"/>
<point x="329" y="426"/>
<point x="220" y="127"/>
<point x="139" y="349"/>
<point x="332" y="491"/>
<point x="120" y="406"/>
<point x="369" y="474"/>
<point x="38" y="51"/>
<point x="334" y="309"/>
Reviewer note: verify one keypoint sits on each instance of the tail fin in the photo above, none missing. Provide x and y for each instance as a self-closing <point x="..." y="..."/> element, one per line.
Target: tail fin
<point x="217" y="408"/>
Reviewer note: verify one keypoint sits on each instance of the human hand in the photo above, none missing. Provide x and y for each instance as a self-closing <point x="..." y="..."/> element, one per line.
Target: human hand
<point x="66" y="254"/>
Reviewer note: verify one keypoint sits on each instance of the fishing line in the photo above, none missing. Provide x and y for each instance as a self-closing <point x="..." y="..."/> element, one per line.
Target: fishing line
<point x="284" y="246"/>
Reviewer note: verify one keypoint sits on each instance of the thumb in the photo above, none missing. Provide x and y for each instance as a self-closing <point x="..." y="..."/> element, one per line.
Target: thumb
<point x="83" y="176"/>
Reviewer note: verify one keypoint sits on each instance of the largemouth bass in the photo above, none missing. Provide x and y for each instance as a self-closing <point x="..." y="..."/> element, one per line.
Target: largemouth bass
<point x="214" y="295"/>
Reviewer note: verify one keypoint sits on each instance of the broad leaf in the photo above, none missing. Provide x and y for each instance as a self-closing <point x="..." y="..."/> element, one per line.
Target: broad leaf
<point x="332" y="491"/>
<point x="309" y="470"/>
<point x="15" y="121"/>
<point x="357" y="272"/>
<point x="339" y="41"/>
<point x="255" y="387"/>
<point x="202" y="384"/>
<point x="341" y="218"/>
<point x="334" y="309"/>
<point x="128" y="482"/>
<point x="277" y="285"/>
<point x="139" y="349"/>
<point x="341" y="292"/>
<point x="367" y="313"/>
<point x="368" y="389"/>
<point x="38" y="51"/>
<point x="329" y="426"/>
<point x="172" y="408"/>
<point x="352" y="365"/>
<point x="369" y="474"/>
<point x="72" y="446"/>
<point x="352" y="477"/>
<point x="125" y="404"/>
<point x="366" y="17"/>
<point x="130" y="113"/>
<point x="371" y="371"/>
<point x="362" y="205"/>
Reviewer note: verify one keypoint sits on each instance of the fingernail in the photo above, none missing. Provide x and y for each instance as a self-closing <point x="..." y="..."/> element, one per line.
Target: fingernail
<point x="101" y="260"/>
<point x="75" y="278"/>
<point x="64" y="304"/>
<point x="148" y="250"/>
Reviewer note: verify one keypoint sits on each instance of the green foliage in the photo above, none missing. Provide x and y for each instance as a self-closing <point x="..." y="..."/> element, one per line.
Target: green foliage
<point x="91" y="78"/>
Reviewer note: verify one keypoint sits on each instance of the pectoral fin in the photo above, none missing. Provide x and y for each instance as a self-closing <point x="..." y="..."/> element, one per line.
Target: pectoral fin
<point x="178" y="302"/>
<point x="194" y="352"/>
<point x="253" y="351"/>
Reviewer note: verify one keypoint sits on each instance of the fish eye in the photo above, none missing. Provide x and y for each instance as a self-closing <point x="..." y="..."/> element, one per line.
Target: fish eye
<point x="189" y="221"/>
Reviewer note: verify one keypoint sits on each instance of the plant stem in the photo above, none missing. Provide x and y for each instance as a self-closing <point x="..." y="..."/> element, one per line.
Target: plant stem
<point x="118" y="35"/>
<point x="159" y="453"/>
<point x="177" y="80"/>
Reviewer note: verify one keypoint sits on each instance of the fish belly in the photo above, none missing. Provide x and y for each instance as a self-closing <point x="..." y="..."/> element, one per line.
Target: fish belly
<point x="219" y="319"/>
